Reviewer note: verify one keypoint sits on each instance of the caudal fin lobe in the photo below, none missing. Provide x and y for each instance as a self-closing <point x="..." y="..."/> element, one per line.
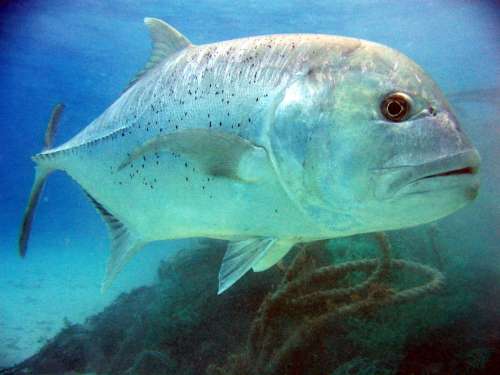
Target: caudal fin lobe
<point x="41" y="174"/>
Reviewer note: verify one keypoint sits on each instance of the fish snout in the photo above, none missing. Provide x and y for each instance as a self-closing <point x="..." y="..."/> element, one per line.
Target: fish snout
<point x="464" y="157"/>
<point x="458" y="172"/>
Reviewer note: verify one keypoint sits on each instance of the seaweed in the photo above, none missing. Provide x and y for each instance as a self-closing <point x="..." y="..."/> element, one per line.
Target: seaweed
<point x="309" y="303"/>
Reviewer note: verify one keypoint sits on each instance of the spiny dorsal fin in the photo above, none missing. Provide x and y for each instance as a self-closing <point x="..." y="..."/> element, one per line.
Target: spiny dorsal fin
<point x="165" y="41"/>
<point x="124" y="244"/>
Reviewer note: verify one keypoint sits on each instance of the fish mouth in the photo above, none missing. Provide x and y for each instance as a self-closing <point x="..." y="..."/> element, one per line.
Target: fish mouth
<point x="459" y="171"/>
<point x="456" y="171"/>
<point x="469" y="170"/>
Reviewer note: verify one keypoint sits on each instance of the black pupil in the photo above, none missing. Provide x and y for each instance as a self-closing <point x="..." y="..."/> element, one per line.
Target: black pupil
<point x="394" y="108"/>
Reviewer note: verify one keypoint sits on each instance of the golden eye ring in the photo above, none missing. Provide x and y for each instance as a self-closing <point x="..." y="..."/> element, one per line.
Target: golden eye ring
<point x="396" y="107"/>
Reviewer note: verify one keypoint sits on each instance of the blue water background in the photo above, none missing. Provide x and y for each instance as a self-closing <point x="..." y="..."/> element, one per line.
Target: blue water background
<point x="83" y="53"/>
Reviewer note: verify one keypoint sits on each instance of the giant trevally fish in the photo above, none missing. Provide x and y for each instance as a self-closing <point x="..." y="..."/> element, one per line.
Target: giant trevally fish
<point x="266" y="142"/>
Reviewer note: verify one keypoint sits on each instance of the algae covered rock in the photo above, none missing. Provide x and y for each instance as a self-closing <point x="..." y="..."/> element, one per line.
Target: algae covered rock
<point x="308" y="316"/>
<point x="152" y="362"/>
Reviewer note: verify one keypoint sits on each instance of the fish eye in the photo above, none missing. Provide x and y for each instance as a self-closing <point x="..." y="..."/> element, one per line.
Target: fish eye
<point x="396" y="106"/>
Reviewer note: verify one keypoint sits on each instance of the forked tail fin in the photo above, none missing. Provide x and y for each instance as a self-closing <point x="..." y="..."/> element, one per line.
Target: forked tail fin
<point x="40" y="177"/>
<point x="52" y="125"/>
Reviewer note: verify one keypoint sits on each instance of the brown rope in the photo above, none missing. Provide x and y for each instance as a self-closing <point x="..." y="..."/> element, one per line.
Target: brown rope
<point x="308" y="294"/>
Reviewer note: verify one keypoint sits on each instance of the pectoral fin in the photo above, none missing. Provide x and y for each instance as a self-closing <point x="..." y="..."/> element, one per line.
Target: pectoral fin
<point x="280" y="249"/>
<point x="216" y="153"/>
<point x="240" y="257"/>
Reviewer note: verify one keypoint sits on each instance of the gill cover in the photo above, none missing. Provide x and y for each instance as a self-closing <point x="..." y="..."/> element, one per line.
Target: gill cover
<point x="301" y="143"/>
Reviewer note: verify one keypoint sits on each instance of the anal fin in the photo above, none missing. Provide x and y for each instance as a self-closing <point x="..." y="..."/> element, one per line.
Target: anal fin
<point x="124" y="244"/>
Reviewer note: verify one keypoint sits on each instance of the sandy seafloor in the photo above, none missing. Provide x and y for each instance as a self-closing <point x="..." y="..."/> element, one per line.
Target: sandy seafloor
<point x="61" y="286"/>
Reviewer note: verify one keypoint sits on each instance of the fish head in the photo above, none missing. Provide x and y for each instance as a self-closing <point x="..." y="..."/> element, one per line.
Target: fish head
<point x="370" y="143"/>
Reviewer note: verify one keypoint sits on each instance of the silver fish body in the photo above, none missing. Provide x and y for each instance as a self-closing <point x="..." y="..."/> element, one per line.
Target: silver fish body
<point x="266" y="142"/>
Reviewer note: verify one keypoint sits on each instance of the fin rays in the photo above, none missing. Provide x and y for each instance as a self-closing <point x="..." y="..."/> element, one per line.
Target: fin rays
<point x="41" y="174"/>
<point x="124" y="244"/>
<point x="240" y="257"/>
<point x="29" y="214"/>
<point x="165" y="41"/>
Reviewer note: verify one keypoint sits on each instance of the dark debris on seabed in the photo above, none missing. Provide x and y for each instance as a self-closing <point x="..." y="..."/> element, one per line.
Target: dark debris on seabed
<point x="314" y="314"/>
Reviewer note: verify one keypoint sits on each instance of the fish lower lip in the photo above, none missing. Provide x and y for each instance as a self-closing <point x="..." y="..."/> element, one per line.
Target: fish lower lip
<point x="454" y="170"/>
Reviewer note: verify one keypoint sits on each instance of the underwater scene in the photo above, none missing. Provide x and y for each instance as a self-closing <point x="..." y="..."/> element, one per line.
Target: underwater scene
<point x="250" y="187"/>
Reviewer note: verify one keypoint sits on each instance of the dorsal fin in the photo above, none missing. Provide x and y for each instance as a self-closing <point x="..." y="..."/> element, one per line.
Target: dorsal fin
<point x="165" y="41"/>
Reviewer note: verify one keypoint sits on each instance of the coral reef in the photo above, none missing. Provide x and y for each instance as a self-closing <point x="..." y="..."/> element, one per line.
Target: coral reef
<point x="330" y="311"/>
